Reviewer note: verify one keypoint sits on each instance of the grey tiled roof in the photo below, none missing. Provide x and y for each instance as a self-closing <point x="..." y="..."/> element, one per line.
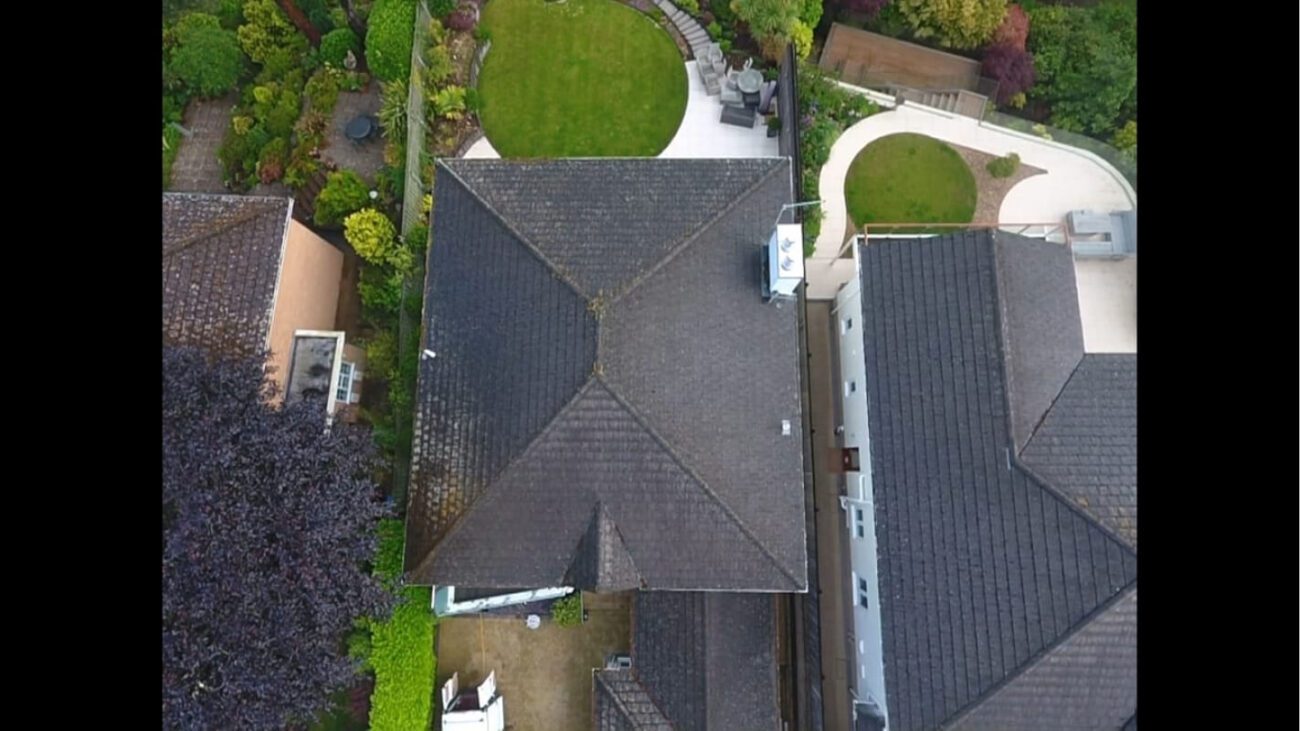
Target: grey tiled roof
<point x="221" y="258"/>
<point x="981" y="567"/>
<point x="602" y="350"/>
<point x="622" y="704"/>
<point x="1040" y="325"/>
<point x="1086" y="446"/>
<point x="707" y="659"/>
<point x="1089" y="681"/>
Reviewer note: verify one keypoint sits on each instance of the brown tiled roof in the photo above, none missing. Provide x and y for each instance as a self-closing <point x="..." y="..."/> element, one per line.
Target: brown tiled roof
<point x="221" y="259"/>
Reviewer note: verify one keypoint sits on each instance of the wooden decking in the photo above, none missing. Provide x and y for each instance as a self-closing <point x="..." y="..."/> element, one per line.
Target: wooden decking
<point x="860" y="57"/>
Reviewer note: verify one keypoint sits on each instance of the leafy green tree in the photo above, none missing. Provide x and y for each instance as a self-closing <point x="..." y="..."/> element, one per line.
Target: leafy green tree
<point x="206" y="59"/>
<point x="954" y="23"/>
<point x="567" y="611"/>
<point x="1086" y="64"/>
<point x="344" y="193"/>
<point x="267" y="30"/>
<point x="1126" y="137"/>
<point x="389" y="38"/>
<point x="771" y="22"/>
<point x="811" y="14"/>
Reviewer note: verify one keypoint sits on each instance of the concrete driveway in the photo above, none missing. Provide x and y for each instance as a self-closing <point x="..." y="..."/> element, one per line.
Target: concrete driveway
<point x="544" y="675"/>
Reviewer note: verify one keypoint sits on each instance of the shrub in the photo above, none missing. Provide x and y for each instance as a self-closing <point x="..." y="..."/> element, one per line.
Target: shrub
<point x="1012" y="68"/>
<point x="1126" y="137"/>
<point x="392" y="109"/>
<point x="473" y="101"/>
<point x="1014" y="29"/>
<point x="954" y="23"/>
<point x="483" y="35"/>
<point x="449" y="103"/>
<point x="811" y="14"/>
<point x="171" y="145"/>
<point x="271" y="160"/>
<point x="322" y="89"/>
<point x="207" y="58"/>
<point x="441" y="8"/>
<point x="344" y="193"/>
<point x="715" y="30"/>
<point x="689" y="6"/>
<point x="334" y="46"/>
<point x="464" y="18"/>
<point x="567" y="611"/>
<point x="1004" y="167"/>
<point x="381" y="359"/>
<point x="402" y="656"/>
<point x="266" y="30"/>
<point x="770" y="21"/>
<point x="380" y="291"/>
<point x="801" y="36"/>
<point x="238" y="153"/>
<point x="371" y="235"/>
<point x="389" y="37"/>
<point x="388" y="554"/>
<point x="438" y="64"/>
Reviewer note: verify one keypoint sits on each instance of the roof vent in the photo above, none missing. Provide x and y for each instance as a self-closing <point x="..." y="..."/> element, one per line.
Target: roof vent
<point x="785" y="427"/>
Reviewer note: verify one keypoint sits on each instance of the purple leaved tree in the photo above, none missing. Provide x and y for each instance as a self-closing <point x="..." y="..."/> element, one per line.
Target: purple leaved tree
<point x="268" y="522"/>
<point x="1012" y="67"/>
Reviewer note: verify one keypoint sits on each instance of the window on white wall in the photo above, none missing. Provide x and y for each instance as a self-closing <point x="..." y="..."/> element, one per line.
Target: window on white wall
<point x="846" y="324"/>
<point x="349" y="374"/>
<point x="850" y="387"/>
<point x="859" y="523"/>
<point x="862" y="593"/>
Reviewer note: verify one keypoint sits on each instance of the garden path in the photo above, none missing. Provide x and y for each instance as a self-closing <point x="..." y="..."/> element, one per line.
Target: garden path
<point x="197" y="169"/>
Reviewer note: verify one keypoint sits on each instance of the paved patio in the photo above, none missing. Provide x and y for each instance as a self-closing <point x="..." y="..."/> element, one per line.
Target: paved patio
<point x="700" y="134"/>
<point x="196" y="168"/>
<point x="363" y="158"/>
<point x="1075" y="179"/>
<point x="544" y="675"/>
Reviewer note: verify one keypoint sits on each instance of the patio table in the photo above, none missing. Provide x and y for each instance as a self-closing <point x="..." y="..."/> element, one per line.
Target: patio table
<point x="359" y="128"/>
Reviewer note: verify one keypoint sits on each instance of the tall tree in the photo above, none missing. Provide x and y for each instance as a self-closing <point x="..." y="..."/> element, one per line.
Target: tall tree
<point x="268" y="522"/>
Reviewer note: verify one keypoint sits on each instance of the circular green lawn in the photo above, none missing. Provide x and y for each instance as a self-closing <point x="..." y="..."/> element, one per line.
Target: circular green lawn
<point x="579" y="78"/>
<point x="909" y="178"/>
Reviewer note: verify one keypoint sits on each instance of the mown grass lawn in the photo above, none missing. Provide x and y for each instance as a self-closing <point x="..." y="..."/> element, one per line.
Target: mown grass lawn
<point x="579" y="78"/>
<point x="909" y="178"/>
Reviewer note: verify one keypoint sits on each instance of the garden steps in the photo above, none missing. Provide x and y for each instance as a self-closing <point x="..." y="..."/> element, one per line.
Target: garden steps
<point x="694" y="33"/>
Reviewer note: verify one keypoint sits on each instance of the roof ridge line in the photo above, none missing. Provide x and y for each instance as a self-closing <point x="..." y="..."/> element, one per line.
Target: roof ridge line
<point x="695" y="235"/>
<point x="552" y="266"/>
<point x="618" y="532"/>
<point x="1034" y="659"/>
<point x="1038" y="425"/>
<point x="1013" y="456"/>
<point x="456" y="524"/>
<point x="677" y="459"/>
<point x="225" y="226"/>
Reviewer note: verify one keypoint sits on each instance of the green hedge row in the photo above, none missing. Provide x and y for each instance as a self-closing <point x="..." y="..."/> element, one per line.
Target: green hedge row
<point x="402" y="657"/>
<point x="389" y="39"/>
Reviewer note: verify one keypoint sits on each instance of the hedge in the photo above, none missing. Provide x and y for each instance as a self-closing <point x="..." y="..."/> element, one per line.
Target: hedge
<point x="402" y="657"/>
<point x="389" y="39"/>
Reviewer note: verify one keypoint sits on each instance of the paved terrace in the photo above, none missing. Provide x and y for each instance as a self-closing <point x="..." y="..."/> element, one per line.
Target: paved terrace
<point x="1075" y="179"/>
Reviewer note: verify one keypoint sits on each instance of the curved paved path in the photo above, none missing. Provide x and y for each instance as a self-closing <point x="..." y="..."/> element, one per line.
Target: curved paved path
<point x="1075" y="178"/>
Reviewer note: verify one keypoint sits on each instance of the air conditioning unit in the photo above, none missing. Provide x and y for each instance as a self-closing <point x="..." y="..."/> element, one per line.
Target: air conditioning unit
<point x="784" y="260"/>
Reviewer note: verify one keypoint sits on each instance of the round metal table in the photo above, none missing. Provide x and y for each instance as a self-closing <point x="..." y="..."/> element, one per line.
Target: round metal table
<point x="749" y="81"/>
<point x="359" y="128"/>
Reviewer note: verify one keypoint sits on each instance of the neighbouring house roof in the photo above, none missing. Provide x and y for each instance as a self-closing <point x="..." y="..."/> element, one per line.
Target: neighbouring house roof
<point x="700" y="660"/>
<point x="996" y="586"/>
<point x="604" y="403"/>
<point x="1086" y="444"/>
<point x="221" y="258"/>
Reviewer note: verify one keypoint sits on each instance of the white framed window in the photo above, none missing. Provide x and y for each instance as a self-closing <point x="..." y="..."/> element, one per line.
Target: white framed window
<point x="862" y="592"/>
<point x="859" y="523"/>
<point x="850" y="387"/>
<point x="348" y="373"/>
<point x="846" y="324"/>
